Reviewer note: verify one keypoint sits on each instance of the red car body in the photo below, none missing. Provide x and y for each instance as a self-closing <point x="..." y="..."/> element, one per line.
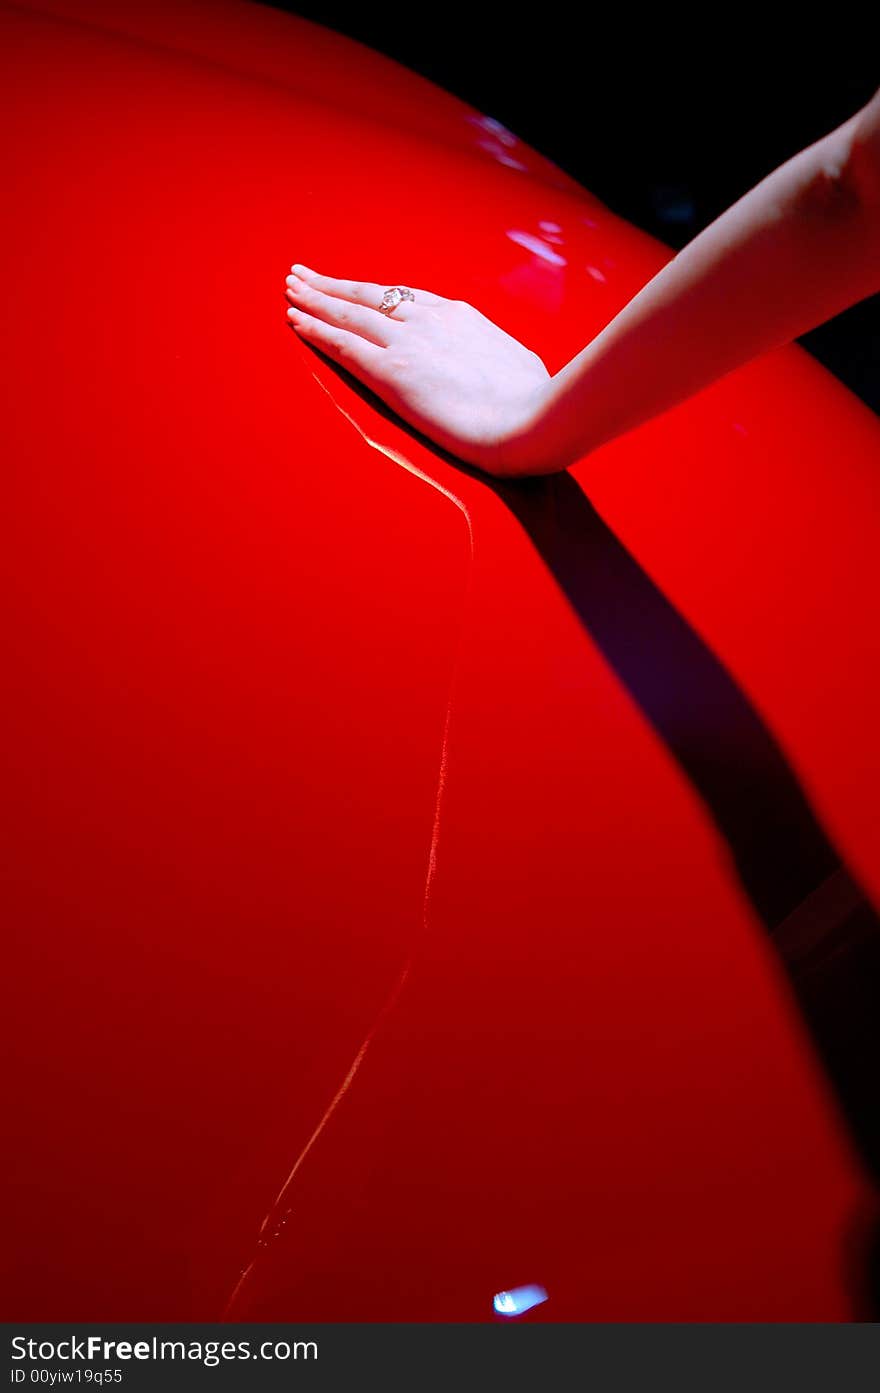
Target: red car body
<point x="441" y="867"/>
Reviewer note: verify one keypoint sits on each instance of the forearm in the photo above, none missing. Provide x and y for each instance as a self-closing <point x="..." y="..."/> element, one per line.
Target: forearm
<point x="797" y="249"/>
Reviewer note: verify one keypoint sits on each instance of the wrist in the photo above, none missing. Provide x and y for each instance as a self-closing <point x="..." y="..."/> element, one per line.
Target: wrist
<point x="532" y="445"/>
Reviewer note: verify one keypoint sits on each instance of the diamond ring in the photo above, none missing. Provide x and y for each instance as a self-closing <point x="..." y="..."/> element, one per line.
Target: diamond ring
<point x="393" y="297"/>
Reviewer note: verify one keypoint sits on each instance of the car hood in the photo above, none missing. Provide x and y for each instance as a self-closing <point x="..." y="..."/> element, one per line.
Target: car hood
<point x="417" y="858"/>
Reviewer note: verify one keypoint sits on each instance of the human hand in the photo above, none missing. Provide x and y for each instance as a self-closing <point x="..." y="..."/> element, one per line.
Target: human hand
<point x="440" y="364"/>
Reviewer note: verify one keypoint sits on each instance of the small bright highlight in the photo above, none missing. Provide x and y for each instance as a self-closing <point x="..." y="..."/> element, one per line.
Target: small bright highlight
<point x="518" y="1300"/>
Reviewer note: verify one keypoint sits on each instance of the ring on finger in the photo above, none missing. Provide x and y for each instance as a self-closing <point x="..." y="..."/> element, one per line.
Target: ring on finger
<point x="394" y="296"/>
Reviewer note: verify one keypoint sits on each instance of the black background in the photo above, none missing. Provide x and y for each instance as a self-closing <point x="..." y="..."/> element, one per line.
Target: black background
<point x="667" y="117"/>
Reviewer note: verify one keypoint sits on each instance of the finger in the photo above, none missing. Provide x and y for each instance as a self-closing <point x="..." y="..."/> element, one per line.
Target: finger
<point x="378" y="328"/>
<point x="349" y="350"/>
<point x="367" y="293"/>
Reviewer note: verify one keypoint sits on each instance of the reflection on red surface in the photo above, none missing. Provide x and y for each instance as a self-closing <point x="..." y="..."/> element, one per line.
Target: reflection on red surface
<point x="560" y="793"/>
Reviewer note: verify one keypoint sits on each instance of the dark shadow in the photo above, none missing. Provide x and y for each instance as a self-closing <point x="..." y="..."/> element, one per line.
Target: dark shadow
<point x="825" y="931"/>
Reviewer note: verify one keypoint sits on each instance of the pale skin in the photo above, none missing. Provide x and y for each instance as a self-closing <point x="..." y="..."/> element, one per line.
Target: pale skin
<point x="800" y="247"/>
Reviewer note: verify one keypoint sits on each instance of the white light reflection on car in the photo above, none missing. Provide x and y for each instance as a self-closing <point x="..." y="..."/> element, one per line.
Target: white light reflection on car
<point x="518" y="1300"/>
<point x="536" y="245"/>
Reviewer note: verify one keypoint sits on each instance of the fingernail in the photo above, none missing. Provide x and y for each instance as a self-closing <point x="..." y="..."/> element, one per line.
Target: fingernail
<point x="298" y="270"/>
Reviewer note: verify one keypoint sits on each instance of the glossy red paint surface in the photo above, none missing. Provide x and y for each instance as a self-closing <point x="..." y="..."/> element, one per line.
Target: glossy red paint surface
<point x="314" y="737"/>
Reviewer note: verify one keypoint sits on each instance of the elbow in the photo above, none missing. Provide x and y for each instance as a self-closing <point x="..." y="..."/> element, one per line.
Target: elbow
<point x="842" y="173"/>
<point x="846" y="179"/>
<point x="843" y="179"/>
<point x="834" y="190"/>
<point x="860" y="177"/>
<point x="839" y="208"/>
<point x="862" y="163"/>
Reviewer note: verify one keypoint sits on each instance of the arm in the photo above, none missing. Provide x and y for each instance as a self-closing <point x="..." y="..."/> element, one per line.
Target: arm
<point x="801" y="246"/>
